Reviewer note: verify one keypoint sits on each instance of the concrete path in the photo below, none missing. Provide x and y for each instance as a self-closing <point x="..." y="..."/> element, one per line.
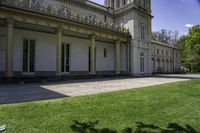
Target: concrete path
<point x="13" y="93"/>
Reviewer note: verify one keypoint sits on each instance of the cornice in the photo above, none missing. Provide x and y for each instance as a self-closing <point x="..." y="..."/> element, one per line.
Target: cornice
<point x="129" y="8"/>
<point x="54" y="22"/>
<point x="164" y="44"/>
<point x="88" y="5"/>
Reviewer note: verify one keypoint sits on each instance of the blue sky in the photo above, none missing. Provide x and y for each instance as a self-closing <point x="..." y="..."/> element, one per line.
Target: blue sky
<point x="174" y="14"/>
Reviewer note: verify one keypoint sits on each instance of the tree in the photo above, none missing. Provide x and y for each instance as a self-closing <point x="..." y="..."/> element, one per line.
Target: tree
<point x="190" y="49"/>
<point x="169" y="37"/>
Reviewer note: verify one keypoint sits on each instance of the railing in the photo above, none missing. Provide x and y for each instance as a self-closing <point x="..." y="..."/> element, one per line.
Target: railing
<point x="53" y="8"/>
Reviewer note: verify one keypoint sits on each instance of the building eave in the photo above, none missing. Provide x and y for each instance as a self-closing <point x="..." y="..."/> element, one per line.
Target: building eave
<point x="164" y="44"/>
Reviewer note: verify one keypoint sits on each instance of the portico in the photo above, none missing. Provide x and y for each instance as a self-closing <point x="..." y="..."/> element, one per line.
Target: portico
<point x="94" y="41"/>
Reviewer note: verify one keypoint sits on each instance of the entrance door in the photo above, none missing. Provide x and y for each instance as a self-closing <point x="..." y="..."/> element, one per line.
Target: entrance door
<point x="65" y="58"/>
<point x="28" y="56"/>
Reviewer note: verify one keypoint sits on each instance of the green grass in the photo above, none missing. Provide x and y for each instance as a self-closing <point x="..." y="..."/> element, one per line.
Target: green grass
<point x="159" y="105"/>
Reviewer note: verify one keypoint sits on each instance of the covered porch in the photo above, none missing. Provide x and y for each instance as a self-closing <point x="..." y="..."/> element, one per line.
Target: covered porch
<point x="41" y="45"/>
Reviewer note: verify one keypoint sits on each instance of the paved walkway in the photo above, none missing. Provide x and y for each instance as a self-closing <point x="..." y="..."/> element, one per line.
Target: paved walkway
<point x="13" y="93"/>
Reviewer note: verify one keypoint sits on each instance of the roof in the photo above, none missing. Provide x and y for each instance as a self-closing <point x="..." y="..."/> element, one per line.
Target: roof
<point x="164" y="44"/>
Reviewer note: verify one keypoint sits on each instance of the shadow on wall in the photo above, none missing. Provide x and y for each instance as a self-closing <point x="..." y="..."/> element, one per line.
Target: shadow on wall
<point x="90" y="127"/>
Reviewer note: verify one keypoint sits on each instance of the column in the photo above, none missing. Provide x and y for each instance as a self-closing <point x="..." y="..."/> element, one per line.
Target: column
<point x="59" y="54"/>
<point x="117" y="57"/>
<point x="9" y="49"/>
<point x="93" y="55"/>
<point x="127" y="58"/>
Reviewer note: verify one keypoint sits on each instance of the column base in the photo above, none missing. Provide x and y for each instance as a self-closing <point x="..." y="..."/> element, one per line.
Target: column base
<point x="8" y="75"/>
<point x="58" y="74"/>
<point x="117" y="73"/>
<point x="92" y="73"/>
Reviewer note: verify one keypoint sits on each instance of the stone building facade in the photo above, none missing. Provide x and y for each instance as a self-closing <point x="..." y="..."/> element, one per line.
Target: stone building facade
<point x="76" y="37"/>
<point x="165" y="58"/>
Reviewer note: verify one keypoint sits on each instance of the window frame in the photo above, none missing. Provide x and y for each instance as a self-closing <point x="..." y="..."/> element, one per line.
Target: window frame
<point x="63" y="68"/>
<point x="142" y="62"/>
<point x="158" y="51"/>
<point x="105" y="18"/>
<point x="2" y="42"/>
<point x="28" y="64"/>
<point x="142" y="3"/>
<point x="105" y="53"/>
<point x="142" y="31"/>
<point x="118" y="4"/>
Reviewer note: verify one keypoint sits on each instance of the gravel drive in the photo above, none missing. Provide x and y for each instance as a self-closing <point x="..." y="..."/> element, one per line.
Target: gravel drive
<point x="13" y="93"/>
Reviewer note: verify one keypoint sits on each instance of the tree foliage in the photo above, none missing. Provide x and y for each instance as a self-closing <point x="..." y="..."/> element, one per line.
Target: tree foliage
<point x="190" y="47"/>
<point x="169" y="37"/>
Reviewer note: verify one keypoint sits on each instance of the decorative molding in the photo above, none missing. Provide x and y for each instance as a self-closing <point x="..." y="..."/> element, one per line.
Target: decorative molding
<point x="47" y="20"/>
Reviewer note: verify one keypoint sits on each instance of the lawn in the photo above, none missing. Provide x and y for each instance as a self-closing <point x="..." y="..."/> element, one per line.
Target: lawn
<point x="157" y="106"/>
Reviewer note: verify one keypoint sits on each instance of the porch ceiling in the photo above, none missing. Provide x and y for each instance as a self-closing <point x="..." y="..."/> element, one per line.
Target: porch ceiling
<point x="51" y="30"/>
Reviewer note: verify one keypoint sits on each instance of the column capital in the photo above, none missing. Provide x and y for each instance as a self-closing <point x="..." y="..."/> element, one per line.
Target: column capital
<point x="118" y="41"/>
<point x="10" y="20"/>
<point x="92" y="36"/>
<point x="59" y="29"/>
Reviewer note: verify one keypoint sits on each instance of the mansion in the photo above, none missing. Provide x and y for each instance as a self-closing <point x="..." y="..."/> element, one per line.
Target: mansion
<point x="80" y="37"/>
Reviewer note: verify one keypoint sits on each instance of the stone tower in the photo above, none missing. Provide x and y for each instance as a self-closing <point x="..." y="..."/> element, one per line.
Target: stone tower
<point x="136" y="16"/>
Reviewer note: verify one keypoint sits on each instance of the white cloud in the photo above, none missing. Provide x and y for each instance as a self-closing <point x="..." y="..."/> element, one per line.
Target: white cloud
<point x="189" y="25"/>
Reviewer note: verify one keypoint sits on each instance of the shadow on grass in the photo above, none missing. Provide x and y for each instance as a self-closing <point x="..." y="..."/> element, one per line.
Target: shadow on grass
<point x="90" y="127"/>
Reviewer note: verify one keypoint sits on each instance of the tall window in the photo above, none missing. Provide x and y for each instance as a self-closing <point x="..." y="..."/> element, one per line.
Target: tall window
<point x="158" y="51"/>
<point x="105" y="52"/>
<point x="142" y="31"/>
<point x="162" y="52"/>
<point x="143" y="3"/>
<point x="2" y="43"/>
<point x="142" y="62"/>
<point x="65" y="58"/>
<point x="154" y="51"/>
<point x="123" y="2"/>
<point x="28" y="56"/>
<point x="105" y="18"/>
<point x="118" y="3"/>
